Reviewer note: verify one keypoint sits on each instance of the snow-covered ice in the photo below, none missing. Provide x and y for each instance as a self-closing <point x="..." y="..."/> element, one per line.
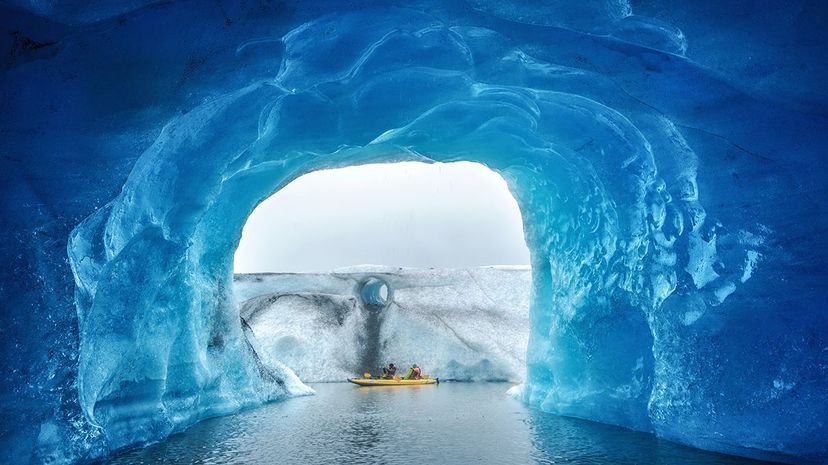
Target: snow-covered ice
<point x="461" y="324"/>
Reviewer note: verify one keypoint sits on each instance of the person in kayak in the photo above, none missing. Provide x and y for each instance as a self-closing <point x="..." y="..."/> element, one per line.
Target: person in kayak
<point x="389" y="371"/>
<point x="413" y="372"/>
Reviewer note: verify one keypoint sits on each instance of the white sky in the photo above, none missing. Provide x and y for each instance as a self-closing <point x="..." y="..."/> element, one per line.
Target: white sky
<point x="402" y="214"/>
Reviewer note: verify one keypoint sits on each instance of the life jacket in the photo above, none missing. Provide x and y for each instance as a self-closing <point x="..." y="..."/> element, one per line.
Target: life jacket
<point x="416" y="372"/>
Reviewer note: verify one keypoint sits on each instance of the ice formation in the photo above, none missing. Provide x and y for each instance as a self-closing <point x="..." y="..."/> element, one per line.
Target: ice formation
<point x="458" y="324"/>
<point x="671" y="184"/>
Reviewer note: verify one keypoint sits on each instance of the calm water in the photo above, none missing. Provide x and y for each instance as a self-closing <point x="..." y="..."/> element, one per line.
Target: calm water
<point x="453" y="423"/>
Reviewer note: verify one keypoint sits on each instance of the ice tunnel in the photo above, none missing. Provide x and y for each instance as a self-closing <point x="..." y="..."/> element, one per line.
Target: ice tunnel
<point x="673" y="201"/>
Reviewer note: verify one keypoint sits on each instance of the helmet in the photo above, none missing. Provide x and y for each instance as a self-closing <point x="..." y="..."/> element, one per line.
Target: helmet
<point x="414" y="366"/>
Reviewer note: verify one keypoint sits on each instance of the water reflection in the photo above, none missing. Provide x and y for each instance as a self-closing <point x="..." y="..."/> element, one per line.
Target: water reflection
<point x="557" y="439"/>
<point x="450" y="423"/>
<point x="363" y="428"/>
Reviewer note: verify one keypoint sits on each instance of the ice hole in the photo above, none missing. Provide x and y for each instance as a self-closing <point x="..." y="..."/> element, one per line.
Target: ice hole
<point x="375" y="292"/>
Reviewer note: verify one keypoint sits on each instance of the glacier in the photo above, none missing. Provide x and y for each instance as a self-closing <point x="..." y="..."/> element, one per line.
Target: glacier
<point x="668" y="159"/>
<point x="467" y="324"/>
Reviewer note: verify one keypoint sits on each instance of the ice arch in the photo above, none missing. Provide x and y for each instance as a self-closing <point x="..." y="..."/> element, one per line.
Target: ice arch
<point x="169" y="238"/>
<point x="633" y="316"/>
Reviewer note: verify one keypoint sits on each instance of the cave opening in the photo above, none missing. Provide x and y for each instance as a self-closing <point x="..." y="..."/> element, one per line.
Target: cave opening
<point x="343" y="271"/>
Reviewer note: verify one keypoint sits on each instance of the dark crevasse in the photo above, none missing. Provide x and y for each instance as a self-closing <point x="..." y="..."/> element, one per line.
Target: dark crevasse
<point x="672" y="194"/>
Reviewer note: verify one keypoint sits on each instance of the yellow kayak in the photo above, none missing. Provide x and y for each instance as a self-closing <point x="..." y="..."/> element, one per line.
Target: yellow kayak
<point x="392" y="382"/>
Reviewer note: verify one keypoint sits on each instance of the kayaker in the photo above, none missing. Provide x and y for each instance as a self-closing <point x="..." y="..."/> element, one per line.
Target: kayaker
<point x="413" y="372"/>
<point x="389" y="371"/>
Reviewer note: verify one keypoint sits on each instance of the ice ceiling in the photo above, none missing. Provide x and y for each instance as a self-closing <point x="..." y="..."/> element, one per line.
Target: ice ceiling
<point x="674" y="209"/>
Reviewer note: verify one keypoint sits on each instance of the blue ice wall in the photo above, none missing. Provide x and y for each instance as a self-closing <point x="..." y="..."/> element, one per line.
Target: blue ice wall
<point x="672" y="193"/>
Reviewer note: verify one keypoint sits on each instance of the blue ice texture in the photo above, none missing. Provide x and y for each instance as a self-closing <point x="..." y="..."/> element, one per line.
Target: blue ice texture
<point x="668" y="159"/>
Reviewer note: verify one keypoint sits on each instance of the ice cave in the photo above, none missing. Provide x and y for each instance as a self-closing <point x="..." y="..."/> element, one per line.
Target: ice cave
<point x="668" y="159"/>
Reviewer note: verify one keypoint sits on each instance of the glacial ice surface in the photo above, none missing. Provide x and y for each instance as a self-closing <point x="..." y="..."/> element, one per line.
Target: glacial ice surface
<point x="459" y="324"/>
<point x="668" y="159"/>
